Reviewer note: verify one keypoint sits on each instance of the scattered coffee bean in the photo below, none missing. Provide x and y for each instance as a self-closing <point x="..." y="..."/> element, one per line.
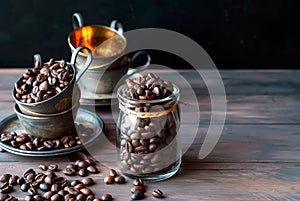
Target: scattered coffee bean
<point x="137" y="195"/>
<point x="137" y="188"/>
<point x="113" y="173"/>
<point x="87" y="181"/>
<point x="138" y="182"/>
<point x="13" y="180"/>
<point x="92" y="169"/>
<point x="43" y="166"/>
<point x="109" y="180"/>
<point x="83" y="172"/>
<point x="69" y="171"/>
<point x="57" y="197"/>
<point x="29" y="198"/>
<point x="106" y="197"/>
<point x="120" y="179"/>
<point x="5" y="177"/>
<point x="157" y="193"/>
<point x="53" y="167"/>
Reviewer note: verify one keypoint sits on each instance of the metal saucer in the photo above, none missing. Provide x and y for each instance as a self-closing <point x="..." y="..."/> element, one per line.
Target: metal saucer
<point x="85" y="117"/>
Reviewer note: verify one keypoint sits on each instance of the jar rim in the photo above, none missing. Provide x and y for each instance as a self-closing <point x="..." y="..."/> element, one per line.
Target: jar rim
<point x="123" y="97"/>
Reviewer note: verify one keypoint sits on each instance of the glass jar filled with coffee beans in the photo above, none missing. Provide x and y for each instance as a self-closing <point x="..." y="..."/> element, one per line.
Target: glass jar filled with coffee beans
<point x="148" y="144"/>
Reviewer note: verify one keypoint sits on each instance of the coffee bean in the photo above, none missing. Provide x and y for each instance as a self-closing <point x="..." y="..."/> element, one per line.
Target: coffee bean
<point x="109" y="180"/>
<point x="137" y="188"/>
<point x="113" y="173"/>
<point x="43" y="167"/>
<point x="48" y="195"/>
<point x="75" y="182"/>
<point x="73" y="191"/>
<point x="32" y="191"/>
<point x="24" y="187"/>
<point x="138" y="182"/>
<point x="82" y="164"/>
<point x="92" y="169"/>
<point x="13" y="180"/>
<point x="44" y="187"/>
<point x="21" y="181"/>
<point x="106" y="197"/>
<point x="83" y="172"/>
<point x="29" y="198"/>
<point x="38" y="198"/>
<point x="137" y="195"/>
<point x="6" y="188"/>
<point x="55" y="188"/>
<point x="3" y="197"/>
<point x="120" y="179"/>
<point x="57" y="197"/>
<point x="5" y="177"/>
<point x="91" y="162"/>
<point x="157" y="193"/>
<point x="87" y="181"/>
<point x="53" y="167"/>
<point x="86" y="191"/>
<point x="81" y="196"/>
<point x="69" y="171"/>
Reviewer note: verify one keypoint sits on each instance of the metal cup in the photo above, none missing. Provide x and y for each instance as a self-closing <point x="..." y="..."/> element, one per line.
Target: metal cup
<point x="107" y="44"/>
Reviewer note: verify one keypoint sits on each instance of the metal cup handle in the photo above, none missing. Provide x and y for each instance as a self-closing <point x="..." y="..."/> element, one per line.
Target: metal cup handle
<point x="132" y="71"/>
<point x="37" y="61"/>
<point x="116" y="25"/>
<point x="77" y="20"/>
<point x="86" y="64"/>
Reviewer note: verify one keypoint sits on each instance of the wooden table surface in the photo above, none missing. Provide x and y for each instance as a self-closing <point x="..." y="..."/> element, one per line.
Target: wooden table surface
<point x="256" y="158"/>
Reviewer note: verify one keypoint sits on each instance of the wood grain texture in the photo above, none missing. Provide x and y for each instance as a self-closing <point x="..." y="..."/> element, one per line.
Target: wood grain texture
<point x="256" y="158"/>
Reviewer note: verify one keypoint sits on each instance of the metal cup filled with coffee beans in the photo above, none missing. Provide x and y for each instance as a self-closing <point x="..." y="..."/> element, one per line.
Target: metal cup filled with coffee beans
<point x="48" y="88"/>
<point x="148" y="142"/>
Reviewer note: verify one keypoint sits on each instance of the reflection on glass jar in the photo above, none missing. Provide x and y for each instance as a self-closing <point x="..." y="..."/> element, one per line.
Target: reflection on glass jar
<point x="148" y="145"/>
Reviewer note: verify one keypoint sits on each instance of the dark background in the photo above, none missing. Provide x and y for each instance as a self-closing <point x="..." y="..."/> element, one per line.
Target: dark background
<point x="235" y="33"/>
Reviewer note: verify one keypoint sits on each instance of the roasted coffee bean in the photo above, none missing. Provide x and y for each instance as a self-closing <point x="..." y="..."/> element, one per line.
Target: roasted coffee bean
<point x="69" y="171"/>
<point x="6" y="188"/>
<point x="113" y="173"/>
<point x="109" y="180"/>
<point x="43" y="167"/>
<point x="44" y="187"/>
<point x="73" y="191"/>
<point x="38" y="198"/>
<point x="92" y="169"/>
<point x="86" y="191"/>
<point x="82" y="164"/>
<point x="32" y="191"/>
<point x="48" y="195"/>
<point x="29" y="198"/>
<point x="81" y="196"/>
<point x="138" y="182"/>
<point x="21" y="181"/>
<point x="75" y="182"/>
<point x="90" y="198"/>
<point x="13" y="180"/>
<point x="157" y="193"/>
<point x="120" y="180"/>
<point x="87" y="181"/>
<point x="137" y="188"/>
<point x="97" y="199"/>
<point x="55" y="188"/>
<point x="137" y="195"/>
<point x="53" y="167"/>
<point x="62" y="192"/>
<point x="106" y="197"/>
<point x="25" y="186"/>
<point x="3" y="197"/>
<point x="83" y="172"/>
<point x="90" y="162"/>
<point x="79" y="186"/>
<point x="57" y="197"/>
<point x="5" y="177"/>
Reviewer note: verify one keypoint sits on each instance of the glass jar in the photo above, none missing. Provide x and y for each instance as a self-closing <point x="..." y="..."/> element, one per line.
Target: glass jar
<point x="148" y="145"/>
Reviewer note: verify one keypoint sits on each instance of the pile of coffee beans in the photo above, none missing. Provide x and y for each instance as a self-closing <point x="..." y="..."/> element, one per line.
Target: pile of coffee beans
<point x="43" y="82"/>
<point x="81" y="167"/>
<point x="27" y="142"/>
<point x="114" y="177"/>
<point x="148" y="144"/>
<point x="149" y="87"/>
